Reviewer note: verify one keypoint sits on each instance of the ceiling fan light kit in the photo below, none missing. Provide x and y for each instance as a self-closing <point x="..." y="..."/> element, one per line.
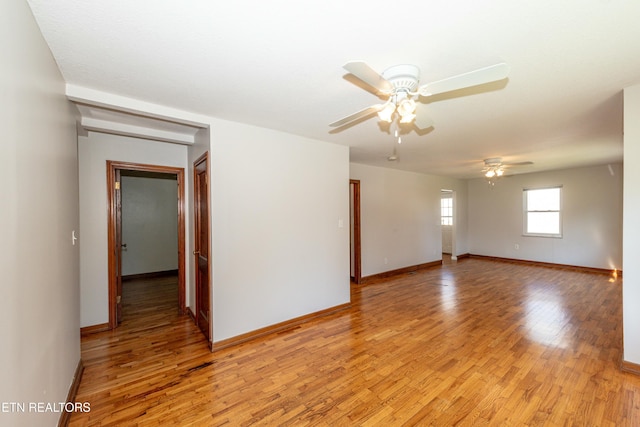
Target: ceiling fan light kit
<point x="498" y="172"/>
<point x="406" y="108"/>
<point x="387" y="111"/>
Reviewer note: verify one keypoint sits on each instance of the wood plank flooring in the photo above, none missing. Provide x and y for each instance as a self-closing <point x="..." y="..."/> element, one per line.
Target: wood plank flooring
<point x="474" y="342"/>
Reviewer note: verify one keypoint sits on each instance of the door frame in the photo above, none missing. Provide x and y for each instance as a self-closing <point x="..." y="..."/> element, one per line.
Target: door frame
<point x="114" y="252"/>
<point x="204" y="158"/>
<point x="357" y="242"/>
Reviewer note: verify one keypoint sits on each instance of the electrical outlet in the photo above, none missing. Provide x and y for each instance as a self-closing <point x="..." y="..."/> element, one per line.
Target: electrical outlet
<point x="386" y="261"/>
<point x="517" y="246"/>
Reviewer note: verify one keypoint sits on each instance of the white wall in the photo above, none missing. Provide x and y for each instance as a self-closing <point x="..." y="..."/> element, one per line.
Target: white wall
<point x="149" y="224"/>
<point x="631" y="283"/>
<point x="93" y="151"/>
<point x="39" y="313"/>
<point x="591" y="212"/>
<point x="278" y="250"/>
<point x="400" y="217"/>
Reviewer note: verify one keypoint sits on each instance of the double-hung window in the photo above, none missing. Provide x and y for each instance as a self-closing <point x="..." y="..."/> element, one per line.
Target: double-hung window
<point x="543" y="212"/>
<point x="446" y="210"/>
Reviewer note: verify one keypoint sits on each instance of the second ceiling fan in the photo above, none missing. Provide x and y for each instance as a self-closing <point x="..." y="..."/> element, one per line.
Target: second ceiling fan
<point x="400" y="86"/>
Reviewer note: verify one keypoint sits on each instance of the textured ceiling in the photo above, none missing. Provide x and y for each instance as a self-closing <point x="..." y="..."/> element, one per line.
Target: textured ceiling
<point x="278" y="64"/>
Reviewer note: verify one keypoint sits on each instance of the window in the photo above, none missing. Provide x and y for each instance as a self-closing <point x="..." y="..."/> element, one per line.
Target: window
<point x="446" y="210"/>
<point x="542" y="212"/>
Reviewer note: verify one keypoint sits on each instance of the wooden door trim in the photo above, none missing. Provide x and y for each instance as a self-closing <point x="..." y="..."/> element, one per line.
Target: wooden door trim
<point x="203" y="158"/>
<point x="357" y="242"/>
<point x="112" y="166"/>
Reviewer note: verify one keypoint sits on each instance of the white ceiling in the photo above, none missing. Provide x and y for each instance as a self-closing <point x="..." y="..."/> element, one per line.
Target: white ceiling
<point x="278" y="64"/>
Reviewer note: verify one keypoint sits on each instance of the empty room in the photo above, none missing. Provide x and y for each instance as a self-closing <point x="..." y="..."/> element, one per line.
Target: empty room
<point x="320" y="213"/>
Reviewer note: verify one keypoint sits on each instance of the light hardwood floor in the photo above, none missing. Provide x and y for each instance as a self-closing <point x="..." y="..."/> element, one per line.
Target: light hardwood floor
<point x="474" y="342"/>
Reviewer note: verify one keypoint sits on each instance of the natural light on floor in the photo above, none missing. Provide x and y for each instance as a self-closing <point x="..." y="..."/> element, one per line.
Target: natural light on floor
<point x="546" y="321"/>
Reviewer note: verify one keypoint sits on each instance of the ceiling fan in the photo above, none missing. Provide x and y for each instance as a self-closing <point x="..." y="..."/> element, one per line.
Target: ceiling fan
<point x="495" y="168"/>
<point x="399" y="84"/>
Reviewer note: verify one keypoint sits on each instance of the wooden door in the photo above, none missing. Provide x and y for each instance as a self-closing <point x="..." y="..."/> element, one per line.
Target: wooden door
<point x="201" y="252"/>
<point x="356" y="246"/>
<point x="118" y="245"/>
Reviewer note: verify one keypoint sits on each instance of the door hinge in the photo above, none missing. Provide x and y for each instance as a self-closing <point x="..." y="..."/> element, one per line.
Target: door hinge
<point x="117" y="187"/>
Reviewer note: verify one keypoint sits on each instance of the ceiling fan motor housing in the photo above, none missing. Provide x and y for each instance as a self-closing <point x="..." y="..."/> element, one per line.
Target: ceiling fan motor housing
<point x="493" y="162"/>
<point x="404" y="77"/>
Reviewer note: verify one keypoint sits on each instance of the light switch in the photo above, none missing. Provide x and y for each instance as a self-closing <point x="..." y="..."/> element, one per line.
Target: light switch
<point x="340" y="223"/>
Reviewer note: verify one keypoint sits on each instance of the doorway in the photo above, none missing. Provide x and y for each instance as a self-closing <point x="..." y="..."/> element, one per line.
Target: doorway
<point x="447" y="221"/>
<point x="115" y="172"/>
<point x="354" y="224"/>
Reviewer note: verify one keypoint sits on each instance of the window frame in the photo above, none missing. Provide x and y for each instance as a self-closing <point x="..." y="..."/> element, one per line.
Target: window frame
<point x="450" y="208"/>
<point x="526" y="211"/>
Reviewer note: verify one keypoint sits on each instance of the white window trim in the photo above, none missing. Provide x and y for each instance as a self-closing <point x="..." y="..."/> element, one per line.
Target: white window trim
<point x="450" y="197"/>
<point x="525" y="212"/>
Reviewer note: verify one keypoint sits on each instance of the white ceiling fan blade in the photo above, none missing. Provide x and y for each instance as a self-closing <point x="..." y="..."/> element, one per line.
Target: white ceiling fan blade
<point x="364" y="72"/>
<point x="472" y="78"/>
<point x="517" y="163"/>
<point x="358" y="115"/>
<point x="422" y="120"/>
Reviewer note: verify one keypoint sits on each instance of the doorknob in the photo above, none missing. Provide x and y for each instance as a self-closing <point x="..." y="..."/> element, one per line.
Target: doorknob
<point x="196" y="252"/>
